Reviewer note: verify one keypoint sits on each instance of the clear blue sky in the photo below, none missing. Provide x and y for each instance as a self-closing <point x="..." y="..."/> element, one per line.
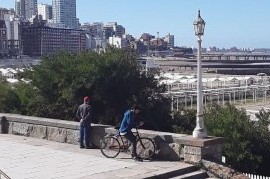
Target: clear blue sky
<point x="240" y="23"/>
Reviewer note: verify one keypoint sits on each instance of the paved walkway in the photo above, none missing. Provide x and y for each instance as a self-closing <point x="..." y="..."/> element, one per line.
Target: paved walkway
<point x="25" y="157"/>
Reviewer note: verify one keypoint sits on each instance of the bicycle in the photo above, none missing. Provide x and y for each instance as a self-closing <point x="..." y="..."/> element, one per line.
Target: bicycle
<point x="111" y="146"/>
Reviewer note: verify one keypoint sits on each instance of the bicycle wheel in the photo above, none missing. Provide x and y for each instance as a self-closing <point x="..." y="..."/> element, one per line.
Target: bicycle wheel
<point x="145" y="148"/>
<point x="110" y="147"/>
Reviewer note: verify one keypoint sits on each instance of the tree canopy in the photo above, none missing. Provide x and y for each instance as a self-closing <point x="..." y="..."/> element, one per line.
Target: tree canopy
<point x="9" y="100"/>
<point x="113" y="80"/>
<point x="246" y="142"/>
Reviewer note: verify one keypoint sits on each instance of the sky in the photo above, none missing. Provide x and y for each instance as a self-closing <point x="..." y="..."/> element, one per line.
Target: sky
<point x="229" y="23"/>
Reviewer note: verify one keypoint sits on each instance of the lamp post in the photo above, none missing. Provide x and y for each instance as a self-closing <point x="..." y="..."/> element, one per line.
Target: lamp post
<point x="199" y="131"/>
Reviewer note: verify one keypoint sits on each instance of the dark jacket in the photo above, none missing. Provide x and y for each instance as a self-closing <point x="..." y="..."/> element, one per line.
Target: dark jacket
<point x="84" y="112"/>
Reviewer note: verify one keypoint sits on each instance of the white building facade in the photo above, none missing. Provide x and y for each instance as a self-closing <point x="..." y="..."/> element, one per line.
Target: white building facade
<point x="45" y="11"/>
<point x="118" y="42"/>
<point x="170" y="40"/>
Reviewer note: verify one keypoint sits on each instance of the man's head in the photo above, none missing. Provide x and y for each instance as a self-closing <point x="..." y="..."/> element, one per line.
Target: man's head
<point x="137" y="109"/>
<point x="86" y="99"/>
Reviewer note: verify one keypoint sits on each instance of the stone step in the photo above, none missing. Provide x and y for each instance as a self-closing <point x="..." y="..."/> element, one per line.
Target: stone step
<point x="193" y="175"/>
<point x="172" y="172"/>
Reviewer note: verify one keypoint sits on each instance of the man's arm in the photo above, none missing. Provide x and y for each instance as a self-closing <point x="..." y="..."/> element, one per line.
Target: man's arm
<point x="137" y="123"/>
<point x="141" y="123"/>
<point x="127" y="120"/>
<point x="78" y="113"/>
<point x="88" y="115"/>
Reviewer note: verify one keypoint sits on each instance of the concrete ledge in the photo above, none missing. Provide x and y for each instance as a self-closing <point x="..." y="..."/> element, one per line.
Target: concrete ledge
<point x="170" y="146"/>
<point x="182" y="146"/>
<point x="41" y="121"/>
<point x="189" y="140"/>
<point x="216" y="169"/>
<point x="50" y="129"/>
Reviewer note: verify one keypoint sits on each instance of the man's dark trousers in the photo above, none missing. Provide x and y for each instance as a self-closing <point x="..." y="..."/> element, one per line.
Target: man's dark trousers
<point x="85" y="128"/>
<point x="129" y="135"/>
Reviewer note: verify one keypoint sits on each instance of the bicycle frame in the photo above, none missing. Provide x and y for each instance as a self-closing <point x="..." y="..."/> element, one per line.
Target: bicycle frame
<point x="119" y="143"/>
<point x="138" y="138"/>
<point x="125" y="143"/>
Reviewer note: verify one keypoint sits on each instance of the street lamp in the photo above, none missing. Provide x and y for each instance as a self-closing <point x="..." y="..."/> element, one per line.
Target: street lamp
<point x="199" y="131"/>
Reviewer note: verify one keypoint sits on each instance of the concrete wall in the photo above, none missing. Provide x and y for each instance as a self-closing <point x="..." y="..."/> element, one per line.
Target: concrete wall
<point x="170" y="146"/>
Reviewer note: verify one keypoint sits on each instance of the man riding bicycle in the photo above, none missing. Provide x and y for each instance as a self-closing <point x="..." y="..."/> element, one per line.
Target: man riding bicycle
<point x="130" y="120"/>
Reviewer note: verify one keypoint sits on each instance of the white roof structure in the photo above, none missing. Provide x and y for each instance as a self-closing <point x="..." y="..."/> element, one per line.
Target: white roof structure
<point x="10" y="74"/>
<point x="174" y="78"/>
<point x="12" y="80"/>
<point x="5" y="71"/>
<point x="168" y="81"/>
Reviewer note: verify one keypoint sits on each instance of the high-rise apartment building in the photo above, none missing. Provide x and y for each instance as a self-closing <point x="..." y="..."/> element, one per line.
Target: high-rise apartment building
<point x="64" y="13"/>
<point x="3" y="38"/>
<point x="18" y="7"/>
<point x="45" y="11"/>
<point x="12" y="31"/>
<point x="6" y="13"/>
<point x="170" y="40"/>
<point x="26" y="8"/>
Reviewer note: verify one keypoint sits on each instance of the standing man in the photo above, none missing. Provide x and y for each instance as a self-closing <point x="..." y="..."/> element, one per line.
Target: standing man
<point x="130" y="121"/>
<point x="84" y="113"/>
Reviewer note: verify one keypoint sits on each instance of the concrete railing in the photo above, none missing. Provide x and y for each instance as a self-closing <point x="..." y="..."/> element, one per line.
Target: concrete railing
<point x="170" y="146"/>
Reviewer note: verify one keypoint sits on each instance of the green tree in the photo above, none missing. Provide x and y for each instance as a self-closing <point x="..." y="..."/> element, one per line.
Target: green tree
<point x="113" y="80"/>
<point x="262" y="140"/>
<point x="184" y="121"/>
<point x="246" y="142"/>
<point x="60" y="82"/>
<point x="237" y="129"/>
<point x="29" y="98"/>
<point x="9" y="100"/>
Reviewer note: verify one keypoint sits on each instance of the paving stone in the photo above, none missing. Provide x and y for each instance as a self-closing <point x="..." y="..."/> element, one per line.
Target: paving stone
<point x="25" y="157"/>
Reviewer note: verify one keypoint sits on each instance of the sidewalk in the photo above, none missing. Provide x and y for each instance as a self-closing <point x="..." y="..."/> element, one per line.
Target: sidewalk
<point x="24" y="157"/>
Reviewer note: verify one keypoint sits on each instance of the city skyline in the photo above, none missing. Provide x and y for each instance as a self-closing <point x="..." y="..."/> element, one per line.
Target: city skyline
<point x="228" y="23"/>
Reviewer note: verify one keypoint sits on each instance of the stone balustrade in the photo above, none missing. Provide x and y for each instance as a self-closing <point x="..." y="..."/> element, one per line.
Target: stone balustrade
<point x="170" y="146"/>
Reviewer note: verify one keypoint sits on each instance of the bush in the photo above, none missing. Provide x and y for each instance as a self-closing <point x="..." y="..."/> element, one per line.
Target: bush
<point x="240" y="136"/>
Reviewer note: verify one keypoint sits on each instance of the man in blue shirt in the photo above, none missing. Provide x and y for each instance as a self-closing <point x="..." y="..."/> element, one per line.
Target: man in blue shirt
<point x="130" y="120"/>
